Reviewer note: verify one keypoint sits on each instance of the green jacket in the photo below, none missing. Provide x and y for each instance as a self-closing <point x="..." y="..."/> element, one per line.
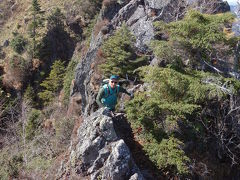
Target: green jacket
<point x="107" y="97"/>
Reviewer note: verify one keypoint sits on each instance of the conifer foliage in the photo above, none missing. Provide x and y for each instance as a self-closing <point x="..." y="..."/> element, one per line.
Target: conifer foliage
<point x="193" y="38"/>
<point x="33" y="123"/>
<point x="171" y="102"/>
<point x="30" y="96"/>
<point x="35" y="25"/>
<point x="53" y="83"/>
<point x="18" y="43"/>
<point x="119" y="53"/>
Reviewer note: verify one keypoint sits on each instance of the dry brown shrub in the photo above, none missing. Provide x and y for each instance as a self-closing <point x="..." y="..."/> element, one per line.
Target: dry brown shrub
<point x="100" y="59"/>
<point x="153" y="13"/>
<point x="7" y="8"/>
<point x="49" y="125"/>
<point x="36" y="64"/>
<point x="107" y="3"/>
<point x="99" y="26"/>
<point x="100" y="54"/>
<point x="97" y="75"/>
<point x="16" y="71"/>
<point x="74" y="106"/>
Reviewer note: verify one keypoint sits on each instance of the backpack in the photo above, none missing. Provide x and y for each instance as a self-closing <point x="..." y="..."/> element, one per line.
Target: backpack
<point x="104" y="81"/>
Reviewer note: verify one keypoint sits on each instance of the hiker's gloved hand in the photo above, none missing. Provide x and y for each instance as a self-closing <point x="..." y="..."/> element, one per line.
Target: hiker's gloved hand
<point x="108" y="112"/>
<point x="131" y="96"/>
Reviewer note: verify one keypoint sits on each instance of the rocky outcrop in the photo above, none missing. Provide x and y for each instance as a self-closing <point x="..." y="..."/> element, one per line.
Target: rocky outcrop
<point x="139" y="15"/>
<point x="99" y="153"/>
<point x="84" y="72"/>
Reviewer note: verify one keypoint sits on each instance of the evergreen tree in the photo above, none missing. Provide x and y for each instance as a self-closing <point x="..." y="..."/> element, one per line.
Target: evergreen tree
<point x="36" y="23"/>
<point x="36" y="7"/>
<point x="119" y="53"/>
<point x="57" y="43"/>
<point x="53" y="83"/>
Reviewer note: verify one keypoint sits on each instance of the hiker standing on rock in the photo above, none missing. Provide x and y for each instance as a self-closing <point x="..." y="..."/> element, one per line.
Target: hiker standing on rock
<point x="108" y="93"/>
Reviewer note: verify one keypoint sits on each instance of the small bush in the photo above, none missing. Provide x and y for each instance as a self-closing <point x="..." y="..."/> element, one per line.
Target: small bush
<point x="4" y="155"/>
<point x="33" y="123"/>
<point x="108" y="3"/>
<point x="18" y="44"/>
<point x="38" y="163"/>
<point x="168" y="153"/>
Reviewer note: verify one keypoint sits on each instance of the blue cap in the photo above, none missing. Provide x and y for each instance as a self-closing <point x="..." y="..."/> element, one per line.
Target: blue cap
<point x="114" y="77"/>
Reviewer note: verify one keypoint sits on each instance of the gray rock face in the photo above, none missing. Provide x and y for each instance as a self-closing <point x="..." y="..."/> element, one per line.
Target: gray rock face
<point x="102" y="155"/>
<point x="209" y="7"/>
<point x="135" y="14"/>
<point x="84" y="74"/>
<point x="157" y="4"/>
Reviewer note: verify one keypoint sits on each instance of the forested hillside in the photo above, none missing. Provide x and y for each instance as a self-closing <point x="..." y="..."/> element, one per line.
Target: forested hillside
<point x="180" y="58"/>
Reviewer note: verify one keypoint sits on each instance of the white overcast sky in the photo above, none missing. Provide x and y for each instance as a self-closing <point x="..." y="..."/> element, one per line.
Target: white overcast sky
<point x="231" y="2"/>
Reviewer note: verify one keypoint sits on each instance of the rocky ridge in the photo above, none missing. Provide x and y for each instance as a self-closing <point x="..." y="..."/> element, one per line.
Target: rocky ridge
<point x="99" y="153"/>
